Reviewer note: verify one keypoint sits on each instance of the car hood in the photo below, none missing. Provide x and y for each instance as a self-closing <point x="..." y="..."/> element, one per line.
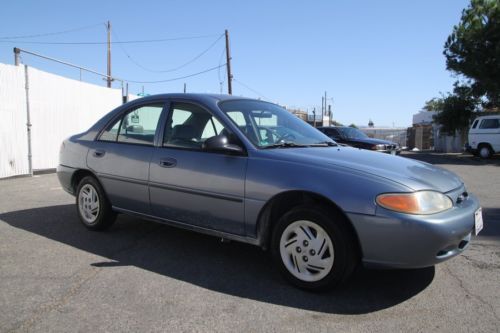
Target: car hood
<point x="410" y="173"/>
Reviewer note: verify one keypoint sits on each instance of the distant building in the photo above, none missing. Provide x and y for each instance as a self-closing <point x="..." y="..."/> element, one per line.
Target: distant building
<point x="422" y="133"/>
<point x="394" y="134"/>
<point x="299" y="113"/>
<point x="423" y="118"/>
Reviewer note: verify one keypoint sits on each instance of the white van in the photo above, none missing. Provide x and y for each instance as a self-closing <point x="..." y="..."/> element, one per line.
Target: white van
<point x="484" y="136"/>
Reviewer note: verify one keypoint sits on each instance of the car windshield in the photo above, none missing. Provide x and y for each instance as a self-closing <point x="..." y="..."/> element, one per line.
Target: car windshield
<point x="353" y="133"/>
<point x="268" y="125"/>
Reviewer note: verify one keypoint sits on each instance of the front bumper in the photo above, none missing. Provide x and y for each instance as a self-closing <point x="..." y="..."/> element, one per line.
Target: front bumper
<point x="396" y="240"/>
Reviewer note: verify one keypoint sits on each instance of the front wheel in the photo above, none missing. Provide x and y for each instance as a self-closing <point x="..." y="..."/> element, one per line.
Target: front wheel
<point x="485" y="151"/>
<point x="314" y="248"/>
<point x="94" y="208"/>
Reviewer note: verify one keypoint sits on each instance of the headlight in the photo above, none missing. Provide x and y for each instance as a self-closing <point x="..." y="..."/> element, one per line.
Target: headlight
<point x="420" y="203"/>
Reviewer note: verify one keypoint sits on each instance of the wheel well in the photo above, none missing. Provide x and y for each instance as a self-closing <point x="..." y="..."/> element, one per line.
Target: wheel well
<point x="78" y="176"/>
<point x="284" y="202"/>
<point x="484" y="144"/>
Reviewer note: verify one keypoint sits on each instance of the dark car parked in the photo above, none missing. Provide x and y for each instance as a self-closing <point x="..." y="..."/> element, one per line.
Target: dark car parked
<point x="355" y="138"/>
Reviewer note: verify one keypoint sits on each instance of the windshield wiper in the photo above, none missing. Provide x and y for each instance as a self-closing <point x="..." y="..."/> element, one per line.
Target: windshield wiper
<point x="324" y="144"/>
<point x="285" y="144"/>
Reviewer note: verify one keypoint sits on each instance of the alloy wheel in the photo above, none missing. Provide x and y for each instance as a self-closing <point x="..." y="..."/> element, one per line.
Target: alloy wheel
<point x="306" y="251"/>
<point x="88" y="203"/>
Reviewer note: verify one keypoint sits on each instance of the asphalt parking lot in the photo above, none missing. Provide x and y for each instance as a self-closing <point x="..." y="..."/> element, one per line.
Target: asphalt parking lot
<point x="55" y="276"/>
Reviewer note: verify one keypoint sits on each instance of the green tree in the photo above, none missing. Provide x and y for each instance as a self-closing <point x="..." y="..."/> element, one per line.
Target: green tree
<point x="456" y="109"/>
<point x="473" y="48"/>
<point x="435" y="104"/>
<point x="353" y="125"/>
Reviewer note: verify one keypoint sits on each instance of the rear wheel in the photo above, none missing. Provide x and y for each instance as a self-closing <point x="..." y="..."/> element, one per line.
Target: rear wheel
<point x="94" y="208"/>
<point x="484" y="151"/>
<point x="313" y="248"/>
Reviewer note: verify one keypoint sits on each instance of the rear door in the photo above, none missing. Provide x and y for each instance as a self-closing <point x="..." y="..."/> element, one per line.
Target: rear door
<point x="191" y="185"/>
<point x="121" y="155"/>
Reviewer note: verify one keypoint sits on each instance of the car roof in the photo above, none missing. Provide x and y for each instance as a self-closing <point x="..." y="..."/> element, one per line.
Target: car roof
<point x="494" y="116"/>
<point x="206" y="99"/>
<point x="195" y="97"/>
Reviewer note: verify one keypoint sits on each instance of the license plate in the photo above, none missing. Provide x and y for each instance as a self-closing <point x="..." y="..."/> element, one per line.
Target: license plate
<point x="393" y="152"/>
<point x="478" y="221"/>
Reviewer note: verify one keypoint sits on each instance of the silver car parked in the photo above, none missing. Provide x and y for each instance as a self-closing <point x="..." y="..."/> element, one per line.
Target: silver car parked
<point x="250" y="171"/>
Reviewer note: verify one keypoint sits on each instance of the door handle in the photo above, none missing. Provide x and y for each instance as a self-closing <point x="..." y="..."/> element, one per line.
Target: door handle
<point x="168" y="162"/>
<point x="99" y="153"/>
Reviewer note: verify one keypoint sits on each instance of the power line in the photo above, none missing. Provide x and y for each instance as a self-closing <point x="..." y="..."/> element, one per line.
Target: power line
<point x="143" y="41"/>
<point x="251" y="89"/>
<point x="18" y="54"/>
<point x="171" y="69"/>
<point x="52" y="33"/>
<point x="179" y="78"/>
<point x="115" y="78"/>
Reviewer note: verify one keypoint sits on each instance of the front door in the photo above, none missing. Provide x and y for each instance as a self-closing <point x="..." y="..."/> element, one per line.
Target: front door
<point x="189" y="184"/>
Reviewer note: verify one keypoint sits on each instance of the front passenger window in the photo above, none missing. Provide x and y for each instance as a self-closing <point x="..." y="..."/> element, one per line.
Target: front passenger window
<point x="189" y="126"/>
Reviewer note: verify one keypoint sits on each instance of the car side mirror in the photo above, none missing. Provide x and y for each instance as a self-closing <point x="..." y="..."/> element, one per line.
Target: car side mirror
<point x="221" y="143"/>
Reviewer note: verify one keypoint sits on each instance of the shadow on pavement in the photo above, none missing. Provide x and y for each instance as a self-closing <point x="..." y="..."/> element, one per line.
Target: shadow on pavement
<point x="491" y="218"/>
<point x="456" y="159"/>
<point x="233" y="268"/>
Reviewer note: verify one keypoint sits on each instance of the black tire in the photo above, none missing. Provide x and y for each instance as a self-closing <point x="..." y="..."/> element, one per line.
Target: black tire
<point x="104" y="217"/>
<point x="484" y="151"/>
<point x="345" y="249"/>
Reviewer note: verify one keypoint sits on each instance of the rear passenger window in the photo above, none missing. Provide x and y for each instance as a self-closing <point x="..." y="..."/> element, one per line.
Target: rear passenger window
<point x="490" y="123"/>
<point x="138" y="126"/>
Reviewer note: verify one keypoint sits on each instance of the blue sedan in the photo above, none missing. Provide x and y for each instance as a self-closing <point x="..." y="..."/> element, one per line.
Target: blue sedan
<point x="248" y="170"/>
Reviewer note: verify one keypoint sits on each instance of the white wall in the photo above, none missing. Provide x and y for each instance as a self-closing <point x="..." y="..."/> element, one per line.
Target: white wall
<point x="13" y="134"/>
<point x="59" y="107"/>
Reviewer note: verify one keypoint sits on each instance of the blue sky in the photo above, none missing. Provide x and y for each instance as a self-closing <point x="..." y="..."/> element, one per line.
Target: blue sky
<point x="378" y="60"/>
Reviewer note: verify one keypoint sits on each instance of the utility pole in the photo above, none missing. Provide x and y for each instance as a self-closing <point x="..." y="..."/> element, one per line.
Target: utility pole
<point x="322" y="106"/>
<point x="314" y="117"/>
<point x="329" y="115"/>
<point x="17" y="52"/>
<point x="325" y="104"/>
<point x="228" y="65"/>
<point x="109" y="79"/>
<point x="322" y="121"/>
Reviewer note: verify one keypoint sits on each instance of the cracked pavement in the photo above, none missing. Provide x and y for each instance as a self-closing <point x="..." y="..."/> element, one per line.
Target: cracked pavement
<point x="55" y="276"/>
